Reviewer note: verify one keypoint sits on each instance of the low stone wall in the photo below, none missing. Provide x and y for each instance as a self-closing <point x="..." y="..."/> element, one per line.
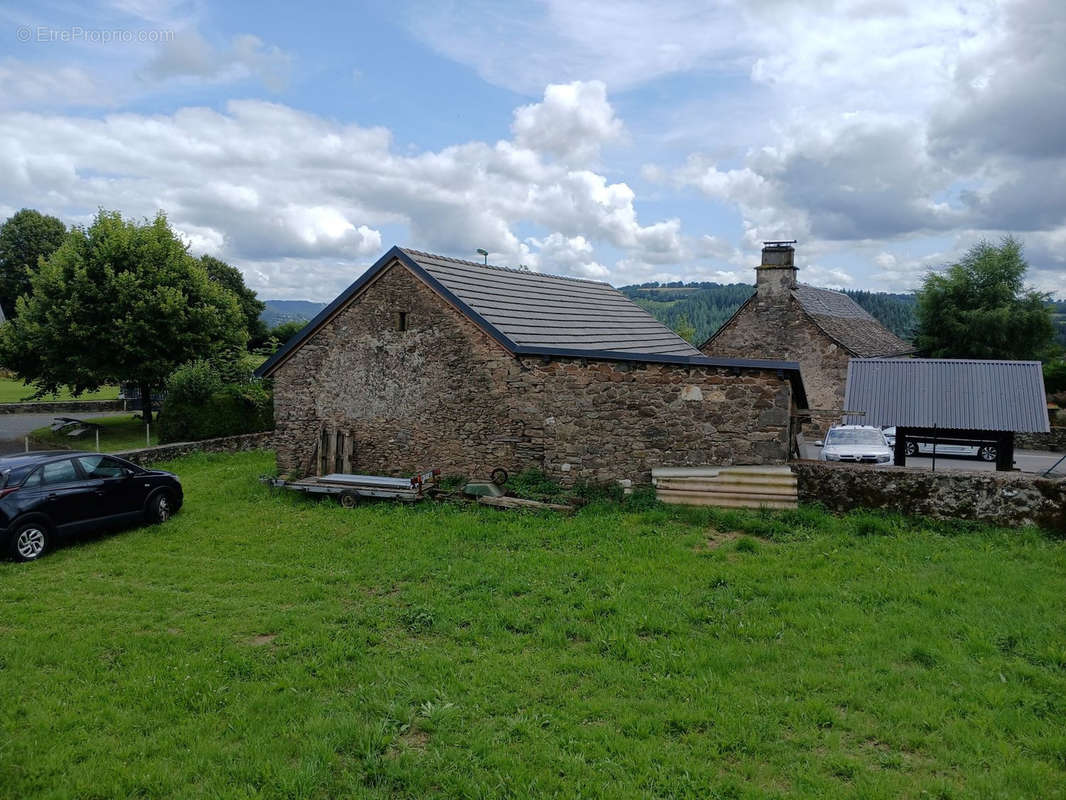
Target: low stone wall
<point x="225" y="444"/>
<point x="1054" y="441"/>
<point x="70" y="407"/>
<point x="1008" y="499"/>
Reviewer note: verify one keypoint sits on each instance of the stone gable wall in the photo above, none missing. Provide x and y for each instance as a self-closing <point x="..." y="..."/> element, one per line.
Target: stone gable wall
<point x="444" y="394"/>
<point x="437" y="394"/>
<point x="783" y="331"/>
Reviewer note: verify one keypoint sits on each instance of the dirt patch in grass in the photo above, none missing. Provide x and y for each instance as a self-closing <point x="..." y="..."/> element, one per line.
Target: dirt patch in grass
<point x="262" y="639"/>
<point x="411" y="739"/>
<point x="716" y="539"/>
<point x="384" y="591"/>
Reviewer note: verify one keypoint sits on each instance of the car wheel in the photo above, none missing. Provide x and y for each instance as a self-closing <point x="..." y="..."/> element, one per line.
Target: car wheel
<point x="912" y="448"/>
<point x="160" y="508"/>
<point x="987" y="453"/>
<point x="29" y="541"/>
<point x="348" y="499"/>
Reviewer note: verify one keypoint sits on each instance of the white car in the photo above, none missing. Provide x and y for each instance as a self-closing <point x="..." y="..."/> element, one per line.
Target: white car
<point x="862" y="444"/>
<point x="986" y="452"/>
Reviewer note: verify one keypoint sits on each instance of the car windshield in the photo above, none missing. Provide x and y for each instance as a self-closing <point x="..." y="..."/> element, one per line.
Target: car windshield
<point x="854" y="437"/>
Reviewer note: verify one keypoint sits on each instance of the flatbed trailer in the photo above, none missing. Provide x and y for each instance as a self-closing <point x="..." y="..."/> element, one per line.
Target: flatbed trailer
<point x="349" y="489"/>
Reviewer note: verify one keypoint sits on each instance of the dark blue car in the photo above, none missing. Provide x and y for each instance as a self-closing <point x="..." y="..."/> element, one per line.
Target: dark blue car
<point x="53" y="493"/>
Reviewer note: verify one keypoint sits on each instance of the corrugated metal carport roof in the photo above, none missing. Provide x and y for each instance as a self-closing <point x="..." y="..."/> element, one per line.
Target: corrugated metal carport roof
<point x="959" y="394"/>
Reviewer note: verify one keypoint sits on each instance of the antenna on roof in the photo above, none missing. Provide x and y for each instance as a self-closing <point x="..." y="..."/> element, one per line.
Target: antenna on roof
<point x="482" y="252"/>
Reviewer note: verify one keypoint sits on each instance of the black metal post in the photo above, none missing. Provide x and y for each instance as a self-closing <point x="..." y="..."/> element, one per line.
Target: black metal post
<point x="899" y="449"/>
<point x="1005" y="452"/>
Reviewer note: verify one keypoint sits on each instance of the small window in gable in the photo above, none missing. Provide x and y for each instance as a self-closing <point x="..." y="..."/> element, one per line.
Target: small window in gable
<point x="401" y="320"/>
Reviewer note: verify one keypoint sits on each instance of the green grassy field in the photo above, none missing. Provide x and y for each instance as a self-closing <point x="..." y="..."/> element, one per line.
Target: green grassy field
<point x="124" y="432"/>
<point x="263" y="645"/>
<point x="14" y="391"/>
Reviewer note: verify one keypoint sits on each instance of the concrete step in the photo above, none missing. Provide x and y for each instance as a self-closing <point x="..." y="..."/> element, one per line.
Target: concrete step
<point x="786" y="481"/>
<point x="788" y="490"/>
<point x="725" y="501"/>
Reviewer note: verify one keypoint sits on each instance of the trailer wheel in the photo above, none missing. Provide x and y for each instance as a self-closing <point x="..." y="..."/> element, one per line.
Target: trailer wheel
<point x="348" y="499"/>
<point x="499" y="476"/>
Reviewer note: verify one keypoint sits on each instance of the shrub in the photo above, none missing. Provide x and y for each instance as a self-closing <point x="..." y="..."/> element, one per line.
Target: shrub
<point x="200" y="404"/>
<point x="194" y="383"/>
<point x="1055" y="377"/>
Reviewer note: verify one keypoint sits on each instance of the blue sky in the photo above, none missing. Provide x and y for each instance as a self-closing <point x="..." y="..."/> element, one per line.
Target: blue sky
<point x="623" y="141"/>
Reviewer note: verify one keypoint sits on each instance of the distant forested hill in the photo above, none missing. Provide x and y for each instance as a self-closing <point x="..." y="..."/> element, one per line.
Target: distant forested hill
<point x="1058" y="316"/>
<point x="279" y="311"/>
<point x="707" y="305"/>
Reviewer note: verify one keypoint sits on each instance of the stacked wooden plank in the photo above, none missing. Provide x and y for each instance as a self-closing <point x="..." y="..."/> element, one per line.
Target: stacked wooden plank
<point x="730" y="487"/>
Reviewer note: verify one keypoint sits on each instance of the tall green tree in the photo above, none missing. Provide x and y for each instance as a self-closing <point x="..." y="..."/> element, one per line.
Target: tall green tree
<point x="25" y="237"/>
<point x="231" y="279"/>
<point x="118" y="301"/>
<point x="685" y="329"/>
<point x="980" y="308"/>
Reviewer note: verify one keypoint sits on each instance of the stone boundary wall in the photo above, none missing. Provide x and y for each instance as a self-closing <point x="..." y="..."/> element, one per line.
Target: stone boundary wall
<point x="70" y="406"/>
<point x="1008" y="499"/>
<point x="1054" y="441"/>
<point x="224" y="444"/>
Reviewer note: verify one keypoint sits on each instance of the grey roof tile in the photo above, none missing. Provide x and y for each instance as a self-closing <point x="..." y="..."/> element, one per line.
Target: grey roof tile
<point x="531" y="308"/>
<point x="848" y="323"/>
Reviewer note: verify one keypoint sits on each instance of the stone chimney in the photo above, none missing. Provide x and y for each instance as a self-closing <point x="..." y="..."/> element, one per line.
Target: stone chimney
<point x="775" y="277"/>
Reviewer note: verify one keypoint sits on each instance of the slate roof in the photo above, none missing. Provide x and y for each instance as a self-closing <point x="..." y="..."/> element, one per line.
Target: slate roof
<point x="537" y="310"/>
<point x="848" y="323"/>
<point x="530" y="313"/>
<point x="959" y="394"/>
<point x="841" y="319"/>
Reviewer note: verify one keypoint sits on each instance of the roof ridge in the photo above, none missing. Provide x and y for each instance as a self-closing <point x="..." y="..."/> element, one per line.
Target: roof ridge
<point x="821" y="288"/>
<point x="412" y="252"/>
<point x="952" y="360"/>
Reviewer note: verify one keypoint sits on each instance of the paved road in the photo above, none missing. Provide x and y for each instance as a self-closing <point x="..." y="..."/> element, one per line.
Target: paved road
<point x="1025" y="460"/>
<point x="14" y="427"/>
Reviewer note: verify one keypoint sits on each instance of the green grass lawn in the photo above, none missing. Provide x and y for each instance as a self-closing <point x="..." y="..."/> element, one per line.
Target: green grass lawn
<point x="121" y="432"/>
<point x="15" y="391"/>
<point x="264" y="645"/>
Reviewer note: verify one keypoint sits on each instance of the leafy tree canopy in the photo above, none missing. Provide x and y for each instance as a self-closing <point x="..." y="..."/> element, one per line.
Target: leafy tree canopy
<point x="980" y="308"/>
<point x="286" y="330"/>
<point x="25" y="237"/>
<point x="231" y="278"/>
<point x="118" y="301"/>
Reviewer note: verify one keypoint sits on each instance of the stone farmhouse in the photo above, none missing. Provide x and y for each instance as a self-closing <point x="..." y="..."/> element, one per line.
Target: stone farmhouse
<point x="819" y="328"/>
<point x="427" y="361"/>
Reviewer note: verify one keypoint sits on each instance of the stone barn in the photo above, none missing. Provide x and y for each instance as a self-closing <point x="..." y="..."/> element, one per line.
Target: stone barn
<point x="819" y="328"/>
<point x="427" y="361"/>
